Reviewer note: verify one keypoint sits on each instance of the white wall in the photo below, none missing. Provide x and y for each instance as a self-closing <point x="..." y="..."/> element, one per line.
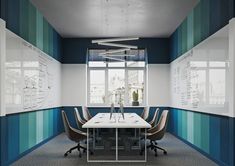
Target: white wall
<point x="73" y="84"/>
<point x="158" y="89"/>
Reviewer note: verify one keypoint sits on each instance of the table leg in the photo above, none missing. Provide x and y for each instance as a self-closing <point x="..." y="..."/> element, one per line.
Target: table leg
<point x="116" y="144"/>
<point x="93" y="139"/>
<point x="145" y="144"/>
<point x="87" y="144"/>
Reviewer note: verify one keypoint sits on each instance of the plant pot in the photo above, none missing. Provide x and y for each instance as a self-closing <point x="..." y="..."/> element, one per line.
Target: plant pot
<point x="135" y="103"/>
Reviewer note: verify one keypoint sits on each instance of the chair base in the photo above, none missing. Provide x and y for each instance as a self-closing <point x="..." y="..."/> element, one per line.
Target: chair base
<point x="79" y="148"/>
<point x="153" y="146"/>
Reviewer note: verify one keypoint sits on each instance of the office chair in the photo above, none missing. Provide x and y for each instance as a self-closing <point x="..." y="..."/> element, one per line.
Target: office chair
<point x="153" y="122"/>
<point x="145" y="113"/>
<point x="74" y="135"/>
<point x="79" y="120"/>
<point x="157" y="133"/>
<point x="86" y="114"/>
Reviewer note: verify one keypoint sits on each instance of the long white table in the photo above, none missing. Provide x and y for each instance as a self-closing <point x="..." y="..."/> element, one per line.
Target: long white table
<point x="102" y="120"/>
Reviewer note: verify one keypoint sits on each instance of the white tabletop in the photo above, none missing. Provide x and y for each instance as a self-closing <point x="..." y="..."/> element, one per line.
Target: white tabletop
<point x="102" y="120"/>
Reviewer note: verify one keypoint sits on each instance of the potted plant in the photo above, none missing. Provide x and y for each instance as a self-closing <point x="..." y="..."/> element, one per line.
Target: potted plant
<point x="135" y="96"/>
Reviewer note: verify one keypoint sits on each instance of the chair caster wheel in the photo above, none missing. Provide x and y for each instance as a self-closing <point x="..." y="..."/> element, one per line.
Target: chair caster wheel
<point x="165" y="152"/>
<point x="80" y="155"/>
<point x="156" y="155"/>
<point x="91" y="153"/>
<point x="65" y="155"/>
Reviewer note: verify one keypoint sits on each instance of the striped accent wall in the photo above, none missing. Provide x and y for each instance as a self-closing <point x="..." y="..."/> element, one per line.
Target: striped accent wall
<point x="212" y="135"/>
<point x="25" y="131"/>
<point x="27" y="22"/>
<point x="205" y="19"/>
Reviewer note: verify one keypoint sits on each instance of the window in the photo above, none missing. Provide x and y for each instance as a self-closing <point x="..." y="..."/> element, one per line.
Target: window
<point x="97" y="86"/>
<point x="114" y="82"/>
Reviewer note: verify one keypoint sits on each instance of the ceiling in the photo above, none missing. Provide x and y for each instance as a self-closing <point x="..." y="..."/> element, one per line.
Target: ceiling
<point x="115" y="18"/>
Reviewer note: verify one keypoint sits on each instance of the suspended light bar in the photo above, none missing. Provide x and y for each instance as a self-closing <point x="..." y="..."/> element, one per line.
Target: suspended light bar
<point x="114" y="51"/>
<point x="118" y="55"/>
<point x="118" y="45"/>
<point x="114" y="40"/>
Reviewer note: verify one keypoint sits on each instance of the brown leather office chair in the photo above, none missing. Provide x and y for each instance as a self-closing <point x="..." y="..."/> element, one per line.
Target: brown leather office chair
<point x="74" y="135"/>
<point x="157" y="133"/>
<point x="86" y="114"/>
<point x="79" y="120"/>
<point x="153" y="122"/>
<point x="145" y="113"/>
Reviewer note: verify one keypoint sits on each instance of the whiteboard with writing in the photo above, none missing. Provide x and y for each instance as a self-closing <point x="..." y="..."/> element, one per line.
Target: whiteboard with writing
<point x="32" y="79"/>
<point x="200" y="77"/>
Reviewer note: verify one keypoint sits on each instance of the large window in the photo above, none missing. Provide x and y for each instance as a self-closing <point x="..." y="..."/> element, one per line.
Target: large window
<point x="115" y="82"/>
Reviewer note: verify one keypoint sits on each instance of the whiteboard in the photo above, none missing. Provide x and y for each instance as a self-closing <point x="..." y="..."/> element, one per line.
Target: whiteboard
<point x="200" y="77"/>
<point x="32" y="78"/>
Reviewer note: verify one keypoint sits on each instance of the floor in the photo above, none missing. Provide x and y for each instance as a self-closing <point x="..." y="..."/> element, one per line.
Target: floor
<point x="51" y="154"/>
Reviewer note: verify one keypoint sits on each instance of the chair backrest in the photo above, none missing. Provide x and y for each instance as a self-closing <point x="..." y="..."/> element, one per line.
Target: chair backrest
<point x="78" y="118"/>
<point x="153" y="122"/>
<point x="145" y="113"/>
<point x="67" y="126"/>
<point x="158" y="132"/>
<point x="72" y="134"/>
<point x="86" y="114"/>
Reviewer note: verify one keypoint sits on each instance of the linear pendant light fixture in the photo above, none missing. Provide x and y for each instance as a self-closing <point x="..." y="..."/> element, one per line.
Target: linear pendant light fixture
<point x="122" y="47"/>
<point x="114" y="40"/>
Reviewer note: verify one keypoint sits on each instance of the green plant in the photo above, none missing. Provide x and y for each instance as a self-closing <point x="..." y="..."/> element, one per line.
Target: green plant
<point x="135" y="96"/>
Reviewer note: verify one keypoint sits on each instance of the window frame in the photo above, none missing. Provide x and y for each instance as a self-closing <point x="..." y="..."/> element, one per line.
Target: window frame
<point x="126" y="69"/>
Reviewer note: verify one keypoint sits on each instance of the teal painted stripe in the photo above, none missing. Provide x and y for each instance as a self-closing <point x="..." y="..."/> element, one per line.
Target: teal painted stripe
<point x="24" y="132"/>
<point x="39" y="27"/>
<point x="32" y="24"/>
<point x="190" y="124"/>
<point x="31" y="129"/>
<point x="205" y="130"/>
<point x="197" y="130"/>
<point x="39" y="122"/>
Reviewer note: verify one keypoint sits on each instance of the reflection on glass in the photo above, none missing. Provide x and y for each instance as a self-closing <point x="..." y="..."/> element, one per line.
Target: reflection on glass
<point x="97" y="86"/>
<point x="30" y="64"/>
<point x="217" y="86"/>
<point x="96" y="64"/>
<point x="116" y="64"/>
<point x="116" y="86"/>
<point x="217" y="64"/>
<point x="136" y="64"/>
<point x="198" y="64"/>
<point x="135" y="82"/>
<point x="13" y="90"/>
<point x="198" y="85"/>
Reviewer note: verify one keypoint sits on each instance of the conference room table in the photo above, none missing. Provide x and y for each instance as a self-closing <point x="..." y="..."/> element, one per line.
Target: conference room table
<point x="116" y="121"/>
